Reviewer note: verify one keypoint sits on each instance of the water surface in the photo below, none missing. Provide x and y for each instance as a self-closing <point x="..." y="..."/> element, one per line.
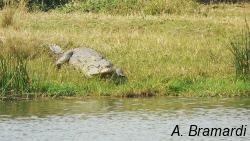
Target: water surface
<point x="108" y="119"/>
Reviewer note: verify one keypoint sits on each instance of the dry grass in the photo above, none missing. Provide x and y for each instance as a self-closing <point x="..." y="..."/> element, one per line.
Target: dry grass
<point x="8" y="17"/>
<point x="115" y="7"/>
<point x="164" y="54"/>
<point x="240" y="48"/>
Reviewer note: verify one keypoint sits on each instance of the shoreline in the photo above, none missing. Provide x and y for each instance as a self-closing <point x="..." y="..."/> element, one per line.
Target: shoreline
<point x="133" y="96"/>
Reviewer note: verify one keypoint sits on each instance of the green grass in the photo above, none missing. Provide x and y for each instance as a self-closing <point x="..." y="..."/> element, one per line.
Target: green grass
<point x="240" y="48"/>
<point x="13" y="74"/>
<point x="176" y="54"/>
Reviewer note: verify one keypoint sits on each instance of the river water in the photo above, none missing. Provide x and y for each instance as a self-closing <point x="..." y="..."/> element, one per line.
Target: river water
<point x="111" y="119"/>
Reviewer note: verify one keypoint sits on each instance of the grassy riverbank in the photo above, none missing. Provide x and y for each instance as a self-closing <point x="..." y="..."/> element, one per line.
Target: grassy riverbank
<point x="168" y="54"/>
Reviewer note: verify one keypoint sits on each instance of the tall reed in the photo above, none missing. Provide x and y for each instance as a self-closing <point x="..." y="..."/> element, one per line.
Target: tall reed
<point x="241" y="51"/>
<point x="14" y="77"/>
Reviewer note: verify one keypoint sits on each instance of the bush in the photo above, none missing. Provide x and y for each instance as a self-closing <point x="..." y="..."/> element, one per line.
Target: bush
<point x="45" y="5"/>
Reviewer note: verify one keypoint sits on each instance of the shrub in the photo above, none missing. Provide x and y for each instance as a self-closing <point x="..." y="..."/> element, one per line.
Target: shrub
<point x="45" y="5"/>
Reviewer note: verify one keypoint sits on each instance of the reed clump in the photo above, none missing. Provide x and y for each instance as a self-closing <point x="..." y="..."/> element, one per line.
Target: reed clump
<point x="15" y="55"/>
<point x="240" y="48"/>
<point x="14" y="78"/>
<point x="25" y="64"/>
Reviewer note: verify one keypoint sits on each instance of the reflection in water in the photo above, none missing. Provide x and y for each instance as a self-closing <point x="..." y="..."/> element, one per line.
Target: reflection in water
<point x="108" y="119"/>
